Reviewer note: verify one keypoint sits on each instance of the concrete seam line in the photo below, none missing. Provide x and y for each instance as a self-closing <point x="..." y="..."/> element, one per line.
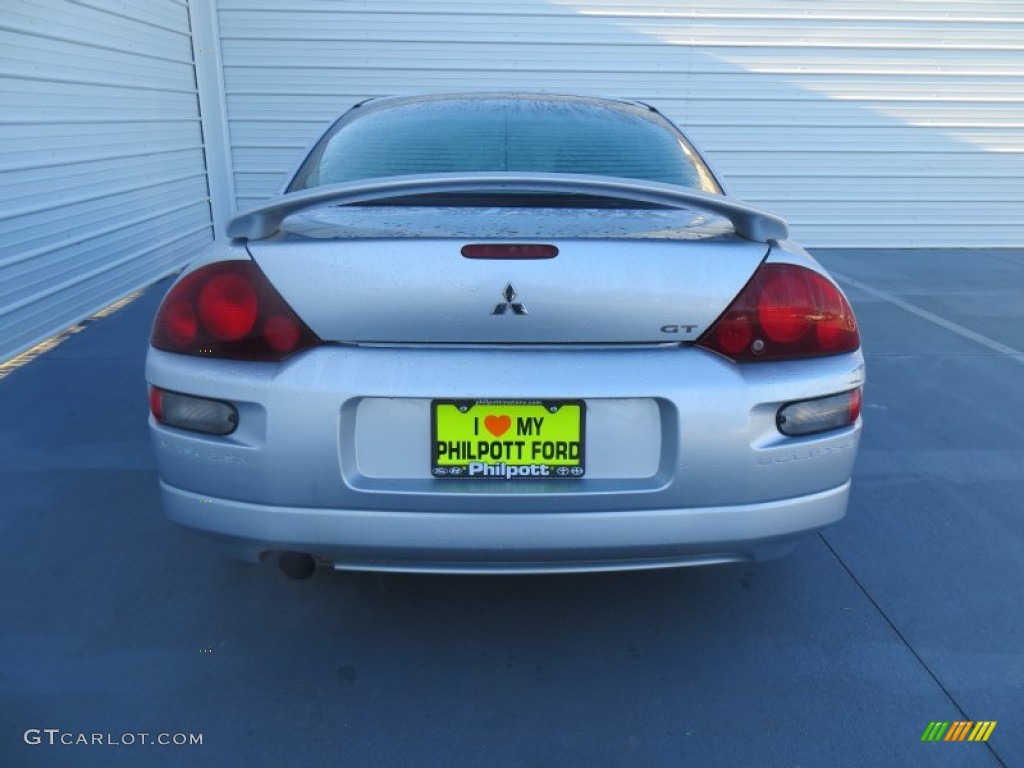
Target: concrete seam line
<point x="903" y="638"/>
<point x="924" y="314"/>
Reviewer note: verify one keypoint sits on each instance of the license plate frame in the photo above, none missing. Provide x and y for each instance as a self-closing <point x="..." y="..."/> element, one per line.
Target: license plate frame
<point x="494" y="439"/>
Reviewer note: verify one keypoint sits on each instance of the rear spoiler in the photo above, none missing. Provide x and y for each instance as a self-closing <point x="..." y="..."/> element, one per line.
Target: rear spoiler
<point x="749" y="222"/>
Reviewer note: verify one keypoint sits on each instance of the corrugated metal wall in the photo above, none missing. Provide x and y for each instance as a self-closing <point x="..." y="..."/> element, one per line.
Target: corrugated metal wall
<point x="865" y="122"/>
<point x="101" y="156"/>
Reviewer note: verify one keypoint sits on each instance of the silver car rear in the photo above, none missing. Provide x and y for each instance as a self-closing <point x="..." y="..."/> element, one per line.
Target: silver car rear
<point x="598" y="302"/>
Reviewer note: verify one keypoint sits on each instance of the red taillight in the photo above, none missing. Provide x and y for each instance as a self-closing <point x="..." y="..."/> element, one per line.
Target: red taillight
<point x="155" y="405"/>
<point x="856" y="398"/>
<point x="228" y="306"/>
<point x="785" y="308"/>
<point x="180" y="321"/>
<point x="784" y="312"/>
<point x="229" y="309"/>
<point x="282" y="333"/>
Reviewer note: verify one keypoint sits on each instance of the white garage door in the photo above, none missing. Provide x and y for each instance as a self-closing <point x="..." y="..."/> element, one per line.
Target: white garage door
<point x="101" y="155"/>
<point x="864" y="122"/>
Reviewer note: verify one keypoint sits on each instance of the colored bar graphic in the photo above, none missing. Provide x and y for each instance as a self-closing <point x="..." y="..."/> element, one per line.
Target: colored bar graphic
<point x="960" y="730"/>
<point x="982" y="731"/>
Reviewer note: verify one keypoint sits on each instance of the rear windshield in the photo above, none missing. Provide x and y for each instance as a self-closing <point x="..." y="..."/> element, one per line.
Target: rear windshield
<point x="530" y="135"/>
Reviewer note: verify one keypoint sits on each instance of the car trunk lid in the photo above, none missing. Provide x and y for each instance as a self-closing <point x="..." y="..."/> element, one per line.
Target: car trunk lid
<point x="397" y="274"/>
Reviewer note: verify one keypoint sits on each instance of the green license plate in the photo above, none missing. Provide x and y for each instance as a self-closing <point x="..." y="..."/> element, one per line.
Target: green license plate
<point x="507" y="439"/>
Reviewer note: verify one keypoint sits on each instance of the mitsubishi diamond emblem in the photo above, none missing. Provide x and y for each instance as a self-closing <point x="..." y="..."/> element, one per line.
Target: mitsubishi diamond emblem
<point x="509" y="294"/>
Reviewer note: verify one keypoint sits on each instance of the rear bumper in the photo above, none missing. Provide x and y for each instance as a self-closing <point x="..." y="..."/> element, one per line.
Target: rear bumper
<point x="486" y="542"/>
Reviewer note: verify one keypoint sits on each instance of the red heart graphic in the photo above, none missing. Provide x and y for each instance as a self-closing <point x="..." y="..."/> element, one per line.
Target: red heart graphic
<point x="498" y="425"/>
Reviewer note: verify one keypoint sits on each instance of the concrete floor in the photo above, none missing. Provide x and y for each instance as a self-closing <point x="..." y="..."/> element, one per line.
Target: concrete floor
<point x="115" y="621"/>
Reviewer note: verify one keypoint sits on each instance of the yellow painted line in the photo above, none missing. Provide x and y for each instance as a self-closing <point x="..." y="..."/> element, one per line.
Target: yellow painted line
<point x="46" y="345"/>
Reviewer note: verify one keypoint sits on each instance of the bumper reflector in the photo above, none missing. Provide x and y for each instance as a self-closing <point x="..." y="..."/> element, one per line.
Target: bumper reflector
<point x="809" y="417"/>
<point x="197" y="414"/>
